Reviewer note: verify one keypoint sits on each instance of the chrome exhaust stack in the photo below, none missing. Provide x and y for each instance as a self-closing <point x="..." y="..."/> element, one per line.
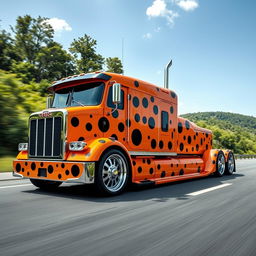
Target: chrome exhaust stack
<point x="166" y="75"/>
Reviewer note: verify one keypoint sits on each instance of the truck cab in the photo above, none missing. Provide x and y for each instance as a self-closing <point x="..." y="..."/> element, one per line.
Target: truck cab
<point x="111" y="130"/>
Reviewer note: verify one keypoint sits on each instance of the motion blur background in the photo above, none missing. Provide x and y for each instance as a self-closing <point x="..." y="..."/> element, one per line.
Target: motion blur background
<point x="212" y="44"/>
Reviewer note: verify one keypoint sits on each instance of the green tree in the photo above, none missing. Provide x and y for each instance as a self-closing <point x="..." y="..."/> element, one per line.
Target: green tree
<point x="7" y="51"/>
<point x="30" y="35"/>
<point x="84" y="51"/>
<point x="17" y="100"/>
<point x="114" y="65"/>
<point x="53" y="63"/>
<point x="24" y="70"/>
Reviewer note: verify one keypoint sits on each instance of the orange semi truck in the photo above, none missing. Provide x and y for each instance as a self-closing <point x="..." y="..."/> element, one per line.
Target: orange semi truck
<point x="112" y="130"/>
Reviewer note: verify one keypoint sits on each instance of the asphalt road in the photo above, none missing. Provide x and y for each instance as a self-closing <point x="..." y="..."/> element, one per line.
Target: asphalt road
<point x="163" y="220"/>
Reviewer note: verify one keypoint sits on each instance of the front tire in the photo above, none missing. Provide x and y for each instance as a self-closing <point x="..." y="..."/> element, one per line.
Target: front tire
<point x="112" y="173"/>
<point x="220" y="164"/>
<point x="45" y="184"/>
<point x="230" y="164"/>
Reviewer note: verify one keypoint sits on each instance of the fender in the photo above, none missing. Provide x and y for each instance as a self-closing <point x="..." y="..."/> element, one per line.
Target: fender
<point x="94" y="150"/>
<point x="209" y="158"/>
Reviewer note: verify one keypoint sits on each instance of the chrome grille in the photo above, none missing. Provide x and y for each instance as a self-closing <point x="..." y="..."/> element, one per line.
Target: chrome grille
<point x="46" y="136"/>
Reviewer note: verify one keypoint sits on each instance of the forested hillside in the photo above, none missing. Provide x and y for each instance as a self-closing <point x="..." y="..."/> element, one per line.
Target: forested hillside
<point x="233" y="131"/>
<point x="30" y="60"/>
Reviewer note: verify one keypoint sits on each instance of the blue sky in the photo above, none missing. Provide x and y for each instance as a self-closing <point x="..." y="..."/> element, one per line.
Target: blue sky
<point x="212" y="43"/>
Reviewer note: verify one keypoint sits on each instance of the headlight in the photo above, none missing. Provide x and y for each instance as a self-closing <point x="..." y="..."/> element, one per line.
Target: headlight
<point x="23" y="147"/>
<point x="77" y="145"/>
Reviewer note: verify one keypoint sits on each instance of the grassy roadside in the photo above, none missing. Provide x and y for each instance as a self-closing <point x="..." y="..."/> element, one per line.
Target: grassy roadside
<point x="6" y="163"/>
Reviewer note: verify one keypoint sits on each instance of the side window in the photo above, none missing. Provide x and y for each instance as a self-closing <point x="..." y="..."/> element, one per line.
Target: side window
<point x="110" y="102"/>
<point x="164" y="121"/>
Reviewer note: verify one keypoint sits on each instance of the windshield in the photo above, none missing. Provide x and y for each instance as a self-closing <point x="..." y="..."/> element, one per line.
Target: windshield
<point x="80" y="95"/>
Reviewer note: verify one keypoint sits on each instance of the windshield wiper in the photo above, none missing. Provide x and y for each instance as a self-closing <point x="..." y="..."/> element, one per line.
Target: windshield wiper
<point x="69" y="98"/>
<point x="78" y="102"/>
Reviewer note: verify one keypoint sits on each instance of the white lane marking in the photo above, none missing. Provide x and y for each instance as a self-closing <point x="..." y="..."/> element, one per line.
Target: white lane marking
<point x="208" y="189"/>
<point x="15" y="186"/>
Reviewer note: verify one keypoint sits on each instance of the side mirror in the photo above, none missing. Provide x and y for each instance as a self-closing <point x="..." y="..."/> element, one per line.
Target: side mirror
<point x="49" y="100"/>
<point x="116" y="93"/>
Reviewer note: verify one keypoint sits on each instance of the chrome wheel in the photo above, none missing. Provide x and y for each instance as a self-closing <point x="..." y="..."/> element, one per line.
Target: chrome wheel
<point x="220" y="164"/>
<point x="114" y="173"/>
<point x="230" y="165"/>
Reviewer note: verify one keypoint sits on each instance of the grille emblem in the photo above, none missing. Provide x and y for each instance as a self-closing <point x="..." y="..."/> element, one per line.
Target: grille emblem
<point x="45" y="114"/>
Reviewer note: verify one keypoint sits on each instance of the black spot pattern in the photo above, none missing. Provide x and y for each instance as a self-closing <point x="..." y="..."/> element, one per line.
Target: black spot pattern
<point x="189" y="139"/>
<point x="88" y="126"/>
<point x="137" y="117"/>
<point x="136" y="83"/>
<point x="121" y="127"/>
<point x="170" y="145"/>
<point x="153" y="143"/>
<point x="103" y="124"/>
<point x="173" y="95"/>
<point x="139" y="169"/>
<point x="75" y="170"/>
<point x="135" y="102"/>
<point x="162" y="174"/>
<point x="115" y="114"/>
<point x="136" y="137"/>
<point x="181" y="172"/>
<point x="144" y="120"/>
<point x="151" y="170"/>
<point x="151" y="123"/>
<point x="180" y="127"/>
<point x="152" y="99"/>
<point x="161" y="144"/>
<point x="155" y="109"/>
<point x="18" y="167"/>
<point x="197" y="147"/>
<point x="50" y="169"/>
<point x="145" y="102"/>
<point x="81" y="139"/>
<point x="181" y="146"/>
<point x="187" y="125"/>
<point x="33" y="166"/>
<point x="75" y="121"/>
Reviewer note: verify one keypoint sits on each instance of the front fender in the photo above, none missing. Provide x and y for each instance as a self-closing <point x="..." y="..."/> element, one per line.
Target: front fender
<point x="94" y="150"/>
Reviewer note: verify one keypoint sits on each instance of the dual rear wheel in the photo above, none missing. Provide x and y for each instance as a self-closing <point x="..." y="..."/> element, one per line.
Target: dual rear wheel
<point x="223" y="167"/>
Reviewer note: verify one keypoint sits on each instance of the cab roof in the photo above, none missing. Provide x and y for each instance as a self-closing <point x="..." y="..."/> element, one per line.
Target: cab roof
<point x="125" y="80"/>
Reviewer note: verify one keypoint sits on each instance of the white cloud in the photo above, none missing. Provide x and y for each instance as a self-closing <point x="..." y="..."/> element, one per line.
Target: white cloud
<point x="159" y="9"/>
<point x="187" y="5"/>
<point x="59" y="24"/>
<point x="157" y="29"/>
<point x="147" y="36"/>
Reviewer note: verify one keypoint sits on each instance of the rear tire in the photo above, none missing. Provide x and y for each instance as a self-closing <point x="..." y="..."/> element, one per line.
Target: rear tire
<point x="45" y="184"/>
<point x="112" y="173"/>
<point x="230" y="164"/>
<point x="220" y="164"/>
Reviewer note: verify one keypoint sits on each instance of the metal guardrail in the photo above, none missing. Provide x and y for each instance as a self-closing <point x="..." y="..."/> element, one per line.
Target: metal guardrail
<point x="237" y="156"/>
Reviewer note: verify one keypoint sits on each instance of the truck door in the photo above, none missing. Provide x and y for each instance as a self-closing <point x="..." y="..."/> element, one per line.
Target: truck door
<point x="116" y="117"/>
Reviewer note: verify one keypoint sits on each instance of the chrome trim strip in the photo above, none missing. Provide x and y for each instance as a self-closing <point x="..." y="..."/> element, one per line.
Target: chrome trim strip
<point x="146" y="153"/>
<point x="15" y="174"/>
<point x="44" y="137"/>
<point x="128" y="116"/>
<point x="53" y="122"/>
<point x="36" y="137"/>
